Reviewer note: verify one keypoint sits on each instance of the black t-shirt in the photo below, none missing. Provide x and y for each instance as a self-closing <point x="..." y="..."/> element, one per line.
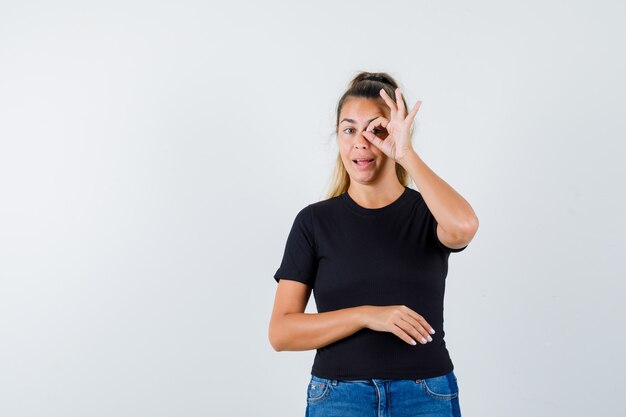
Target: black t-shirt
<point x="352" y="256"/>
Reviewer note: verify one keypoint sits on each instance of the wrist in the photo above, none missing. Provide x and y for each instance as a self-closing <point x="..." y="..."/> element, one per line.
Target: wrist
<point x="362" y="316"/>
<point x="406" y="157"/>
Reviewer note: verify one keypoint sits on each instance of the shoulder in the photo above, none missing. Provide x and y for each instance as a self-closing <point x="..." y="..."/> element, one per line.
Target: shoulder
<point x="310" y="213"/>
<point x="315" y="215"/>
<point x="413" y="200"/>
<point x="415" y="195"/>
<point x="322" y="208"/>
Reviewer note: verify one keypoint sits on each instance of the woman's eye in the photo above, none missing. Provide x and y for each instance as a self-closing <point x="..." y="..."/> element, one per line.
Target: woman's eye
<point x="349" y="130"/>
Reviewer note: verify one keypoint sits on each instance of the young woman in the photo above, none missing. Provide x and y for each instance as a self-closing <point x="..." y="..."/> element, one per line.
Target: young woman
<point x="375" y="252"/>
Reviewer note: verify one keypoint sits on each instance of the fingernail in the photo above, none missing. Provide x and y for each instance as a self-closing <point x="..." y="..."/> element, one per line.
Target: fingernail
<point x="430" y="339"/>
<point x="432" y="331"/>
<point x="413" y="342"/>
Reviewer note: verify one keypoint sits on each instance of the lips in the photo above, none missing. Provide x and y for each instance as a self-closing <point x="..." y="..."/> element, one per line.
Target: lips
<point x="363" y="163"/>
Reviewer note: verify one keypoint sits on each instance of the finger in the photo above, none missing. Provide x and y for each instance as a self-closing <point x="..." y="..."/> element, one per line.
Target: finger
<point x="402" y="335"/>
<point x="401" y="107"/>
<point x="379" y="121"/>
<point x="378" y="142"/>
<point x="421" y="320"/>
<point x="413" y="112"/>
<point x="383" y="121"/>
<point x="410" y="330"/>
<point x="380" y="124"/>
<point x="418" y="331"/>
<point x="389" y="102"/>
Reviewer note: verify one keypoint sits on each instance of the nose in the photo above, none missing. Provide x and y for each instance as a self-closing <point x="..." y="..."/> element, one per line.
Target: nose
<point x="361" y="142"/>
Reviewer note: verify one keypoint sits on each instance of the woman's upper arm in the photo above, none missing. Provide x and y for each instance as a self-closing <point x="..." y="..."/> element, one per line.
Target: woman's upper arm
<point x="291" y="297"/>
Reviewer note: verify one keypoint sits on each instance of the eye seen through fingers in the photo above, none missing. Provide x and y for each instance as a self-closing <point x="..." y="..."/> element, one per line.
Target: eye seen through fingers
<point x="376" y="131"/>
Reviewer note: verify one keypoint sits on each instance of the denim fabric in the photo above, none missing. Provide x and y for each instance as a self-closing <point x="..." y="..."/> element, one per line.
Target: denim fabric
<point x="430" y="397"/>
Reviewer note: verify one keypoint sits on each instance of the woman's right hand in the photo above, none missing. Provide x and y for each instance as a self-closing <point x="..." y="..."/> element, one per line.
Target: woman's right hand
<point x="399" y="320"/>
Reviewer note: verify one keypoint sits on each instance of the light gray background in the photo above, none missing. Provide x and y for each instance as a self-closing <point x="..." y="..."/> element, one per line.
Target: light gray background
<point x="153" y="156"/>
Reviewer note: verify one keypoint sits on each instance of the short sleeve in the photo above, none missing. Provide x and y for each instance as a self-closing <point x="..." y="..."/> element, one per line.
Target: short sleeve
<point x="433" y="223"/>
<point x="300" y="259"/>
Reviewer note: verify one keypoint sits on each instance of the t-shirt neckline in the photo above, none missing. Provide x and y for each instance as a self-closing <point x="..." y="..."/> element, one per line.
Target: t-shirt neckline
<point x="345" y="197"/>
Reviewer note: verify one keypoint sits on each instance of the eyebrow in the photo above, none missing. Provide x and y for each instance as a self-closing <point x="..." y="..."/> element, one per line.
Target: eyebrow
<point x="352" y="121"/>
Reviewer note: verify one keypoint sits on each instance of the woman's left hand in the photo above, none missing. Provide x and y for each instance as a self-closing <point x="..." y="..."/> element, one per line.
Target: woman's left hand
<point x="398" y="143"/>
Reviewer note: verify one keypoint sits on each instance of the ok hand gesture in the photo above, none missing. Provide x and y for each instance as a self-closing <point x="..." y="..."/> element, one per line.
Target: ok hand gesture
<point x="398" y="143"/>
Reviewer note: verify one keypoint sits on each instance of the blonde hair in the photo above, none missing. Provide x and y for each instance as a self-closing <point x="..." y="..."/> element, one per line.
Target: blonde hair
<point x="365" y="85"/>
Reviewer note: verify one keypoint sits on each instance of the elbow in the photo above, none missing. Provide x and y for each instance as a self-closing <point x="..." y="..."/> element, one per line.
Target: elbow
<point x="468" y="229"/>
<point x="472" y="226"/>
<point x="276" y="346"/>
<point x="274" y="339"/>
<point x="465" y="232"/>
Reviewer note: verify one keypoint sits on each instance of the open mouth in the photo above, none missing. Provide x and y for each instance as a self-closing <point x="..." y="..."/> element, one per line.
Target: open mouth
<point x="362" y="162"/>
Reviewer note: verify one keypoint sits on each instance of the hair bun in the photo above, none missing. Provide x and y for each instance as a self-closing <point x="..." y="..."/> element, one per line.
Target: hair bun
<point x="378" y="78"/>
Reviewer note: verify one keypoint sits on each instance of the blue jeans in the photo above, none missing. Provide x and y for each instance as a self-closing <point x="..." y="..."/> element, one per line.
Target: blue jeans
<point x="430" y="397"/>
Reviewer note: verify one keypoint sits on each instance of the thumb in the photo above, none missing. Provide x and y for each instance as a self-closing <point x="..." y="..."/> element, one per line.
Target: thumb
<point x="373" y="138"/>
<point x="370" y="136"/>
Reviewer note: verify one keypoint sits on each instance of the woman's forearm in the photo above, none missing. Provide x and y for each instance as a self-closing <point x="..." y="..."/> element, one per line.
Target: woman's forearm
<point x="308" y="331"/>
<point x="453" y="213"/>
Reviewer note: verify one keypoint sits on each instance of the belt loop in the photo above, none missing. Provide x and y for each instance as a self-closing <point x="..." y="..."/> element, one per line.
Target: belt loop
<point x="334" y="382"/>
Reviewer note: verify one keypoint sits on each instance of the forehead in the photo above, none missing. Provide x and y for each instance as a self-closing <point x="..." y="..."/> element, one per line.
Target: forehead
<point x="359" y="108"/>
